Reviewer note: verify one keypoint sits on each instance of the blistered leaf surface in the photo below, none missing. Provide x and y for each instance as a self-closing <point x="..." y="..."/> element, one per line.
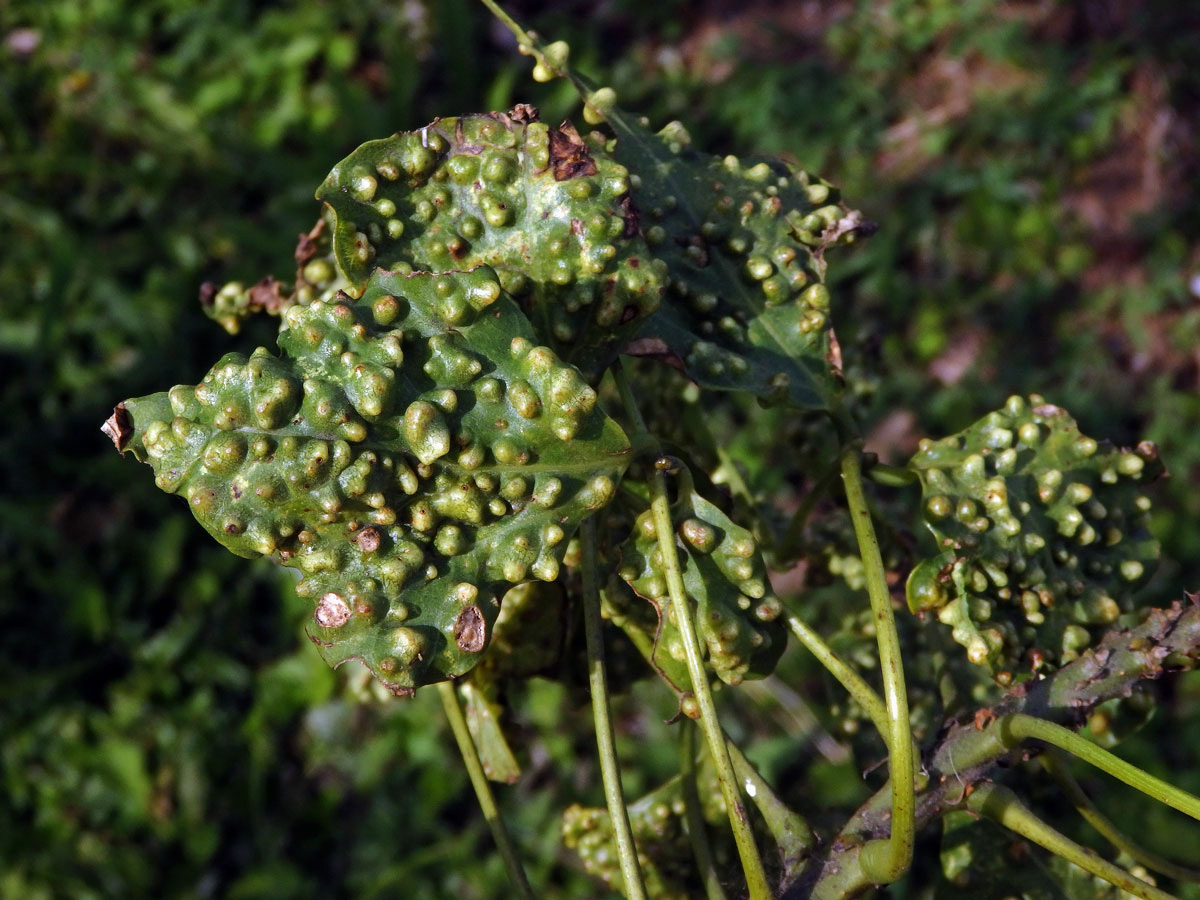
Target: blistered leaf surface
<point x="1042" y="530"/>
<point x="737" y="615"/>
<point x="548" y="209"/>
<point x="412" y="453"/>
<point x="744" y="244"/>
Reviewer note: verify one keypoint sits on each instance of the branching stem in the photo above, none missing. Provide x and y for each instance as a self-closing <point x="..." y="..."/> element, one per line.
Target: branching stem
<point x="610" y="770"/>
<point x="1017" y="727"/>
<point x="681" y="612"/>
<point x="854" y="684"/>
<point x="1056" y="764"/>
<point x="885" y="860"/>
<point x="483" y="790"/>
<point x="1001" y="805"/>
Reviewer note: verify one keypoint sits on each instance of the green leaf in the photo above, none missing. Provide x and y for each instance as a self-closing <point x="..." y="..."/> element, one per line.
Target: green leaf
<point x="549" y="210"/>
<point x="737" y="615"/>
<point x="744" y="242"/>
<point x="412" y="453"/>
<point x="483" y="715"/>
<point x="1043" y="534"/>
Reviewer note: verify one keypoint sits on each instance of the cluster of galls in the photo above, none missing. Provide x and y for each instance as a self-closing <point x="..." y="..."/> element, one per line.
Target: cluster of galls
<point x="657" y="821"/>
<point x="737" y="616"/>
<point x="1042" y="533"/>
<point x="743" y="242"/>
<point x="399" y="458"/>
<point x="551" y="211"/>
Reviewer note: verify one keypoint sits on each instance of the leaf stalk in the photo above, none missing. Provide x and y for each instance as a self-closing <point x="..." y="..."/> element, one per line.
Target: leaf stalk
<point x="483" y="790"/>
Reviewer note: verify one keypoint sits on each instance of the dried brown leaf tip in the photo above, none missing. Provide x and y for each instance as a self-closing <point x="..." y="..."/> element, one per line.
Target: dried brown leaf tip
<point x="524" y="112"/>
<point x="569" y="156"/>
<point x="118" y="427"/>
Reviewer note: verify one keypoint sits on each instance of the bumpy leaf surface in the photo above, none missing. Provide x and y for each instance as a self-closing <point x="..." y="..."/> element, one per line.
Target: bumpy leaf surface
<point x="1043" y="534"/>
<point x="743" y="241"/>
<point x="657" y="821"/>
<point x="737" y="616"/>
<point x="412" y="453"/>
<point x="744" y="244"/>
<point x="549" y="210"/>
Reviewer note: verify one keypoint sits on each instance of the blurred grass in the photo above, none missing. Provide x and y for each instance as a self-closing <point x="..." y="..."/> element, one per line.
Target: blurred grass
<point x="164" y="729"/>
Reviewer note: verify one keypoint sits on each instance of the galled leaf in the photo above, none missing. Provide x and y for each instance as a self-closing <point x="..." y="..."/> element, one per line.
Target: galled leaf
<point x="548" y="209"/>
<point x="412" y="453"/>
<point x="1042" y="530"/>
<point x="737" y="616"/>
<point x="744" y="243"/>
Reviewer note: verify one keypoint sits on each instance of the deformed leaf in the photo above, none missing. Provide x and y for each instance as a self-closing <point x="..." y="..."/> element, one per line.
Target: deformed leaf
<point x="744" y="242"/>
<point x="548" y="209"/>
<point x="657" y="821"/>
<point x="1042" y="533"/>
<point x="412" y="453"/>
<point x="737" y="615"/>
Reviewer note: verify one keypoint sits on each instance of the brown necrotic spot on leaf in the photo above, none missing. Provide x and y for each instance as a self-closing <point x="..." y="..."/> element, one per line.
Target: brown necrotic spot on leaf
<point x="569" y="157"/>
<point x="470" y="631"/>
<point x="118" y="427"/>
<point x="368" y="539"/>
<point x="633" y="218"/>
<point x="332" y="611"/>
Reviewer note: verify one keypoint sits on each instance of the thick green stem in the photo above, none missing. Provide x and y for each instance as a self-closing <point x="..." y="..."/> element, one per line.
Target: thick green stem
<point x="1056" y="764"/>
<point x="1018" y="727"/>
<point x="1001" y="805"/>
<point x="483" y="790"/>
<point x="610" y="770"/>
<point x="681" y="613"/>
<point x="885" y="860"/>
<point x="697" y="832"/>
<point x="854" y="684"/>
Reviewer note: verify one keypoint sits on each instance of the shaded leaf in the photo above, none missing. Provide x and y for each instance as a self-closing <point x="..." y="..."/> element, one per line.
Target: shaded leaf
<point x="744" y="242"/>
<point x="992" y="863"/>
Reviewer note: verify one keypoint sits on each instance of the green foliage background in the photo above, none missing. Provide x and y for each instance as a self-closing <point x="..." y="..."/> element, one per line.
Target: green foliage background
<point x="165" y="729"/>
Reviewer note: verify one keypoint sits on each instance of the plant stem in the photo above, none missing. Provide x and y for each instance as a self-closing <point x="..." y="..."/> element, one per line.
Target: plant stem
<point x="891" y="476"/>
<point x="483" y="790"/>
<point x="862" y="692"/>
<point x="885" y="860"/>
<point x="1002" y="805"/>
<point x="1018" y="727"/>
<point x="1056" y="765"/>
<point x="610" y="769"/>
<point x="681" y="612"/>
<point x="697" y="832"/>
